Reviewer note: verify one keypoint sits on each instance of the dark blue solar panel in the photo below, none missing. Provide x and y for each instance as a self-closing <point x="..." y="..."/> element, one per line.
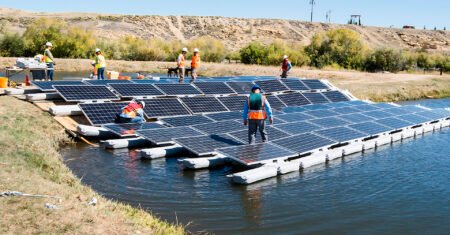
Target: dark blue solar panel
<point x="329" y="122"/>
<point x="293" y="99"/>
<point x="378" y="114"/>
<point x="101" y="113"/>
<point x="178" y="89"/>
<point x="340" y="134"/>
<point x="315" y="84"/>
<point x="413" y="109"/>
<point x="233" y="103"/>
<point x="384" y="105"/>
<point x="255" y="153"/>
<point x="220" y="127"/>
<point x="105" y="82"/>
<point x="48" y="85"/>
<point x="241" y="87"/>
<point x="394" y="123"/>
<point x="431" y="116"/>
<point x="293" y="109"/>
<point x="269" y="86"/>
<point x="335" y="96"/>
<point x="357" y="102"/>
<point x="346" y="110"/>
<point x="295" y="84"/>
<point x="130" y="129"/>
<point x="339" y="104"/>
<point x="396" y="111"/>
<point x="356" y="118"/>
<point x="322" y="113"/>
<point x="204" y="104"/>
<point x="304" y="143"/>
<point x="136" y="90"/>
<point x="85" y="93"/>
<point x="236" y="115"/>
<point x="275" y="103"/>
<point x="272" y="134"/>
<point x="164" y="108"/>
<point x="294" y="117"/>
<point x="187" y="120"/>
<point x="167" y="135"/>
<point x="214" y="88"/>
<point x="370" y="128"/>
<point x="207" y="145"/>
<point x="298" y="127"/>
<point x="316" y="98"/>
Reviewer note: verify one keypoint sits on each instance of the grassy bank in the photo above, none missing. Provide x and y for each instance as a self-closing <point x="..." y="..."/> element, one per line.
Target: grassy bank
<point x="30" y="163"/>
<point x="373" y="86"/>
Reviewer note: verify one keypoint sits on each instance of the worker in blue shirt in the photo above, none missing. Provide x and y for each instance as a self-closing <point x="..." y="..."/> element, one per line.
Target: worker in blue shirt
<point x="132" y="113"/>
<point x="256" y="111"/>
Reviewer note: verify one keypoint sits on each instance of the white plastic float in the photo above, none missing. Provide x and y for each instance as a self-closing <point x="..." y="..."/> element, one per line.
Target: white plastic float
<point x="65" y="110"/>
<point x="205" y="162"/>
<point x="43" y="96"/>
<point x="18" y="91"/>
<point x="125" y="143"/>
<point x="93" y="131"/>
<point x="161" y="152"/>
<point x="255" y="175"/>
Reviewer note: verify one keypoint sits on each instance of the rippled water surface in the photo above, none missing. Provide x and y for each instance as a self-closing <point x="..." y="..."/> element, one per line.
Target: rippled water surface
<point x="397" y="189"/>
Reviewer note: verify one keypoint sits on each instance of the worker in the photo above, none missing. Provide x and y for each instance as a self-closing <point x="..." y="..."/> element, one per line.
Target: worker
<point x="256" y="111"/>
<point x="48" y="59"/>
<point x="93" y="75"/>
<point x="132" y="113"/>
<point x="100" y="64"/>
<point x="286" y="66"/>
<point x="181" y="65"/>
<point x="195" y="64"/>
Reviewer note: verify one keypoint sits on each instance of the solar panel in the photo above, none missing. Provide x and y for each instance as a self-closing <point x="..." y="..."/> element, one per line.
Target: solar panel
<point x="48" y="85"/>
<point x="144" y="81"/>
<point x="105" y="82"/>
<point x="316" y="98"/>
<point x="315" y="84"/>
<point x="384" y="105"/>
<point x="293" y="109"/>
<point x="186" y="120"/>
<point x="345" y="110"/>
<point x="340" y="134"/>
<point x="296" y="128"/>
<point x="236" y="115"/>
<point x="322" y="113"/>
<point x="241" y="87"/>
<point x="275" y="103"/>
<point x="101" y="113"/>
<point x="329" y="122"/>
<point x="356" y="118"/>
<point x="233" y="103"/>
<point x="272" y="134"/>
<point x="295" y="84"/>
<point x="178" y="89"/>
<point x="431" y="116"/>
<point x="164" y="108"/>
<point x="413" y="109"/>
<point x="397" y="111"/>
<point x="377" y="114"/>
<point x="204" y="104"/>
<point x="130" y="129"/>
<point x="136" y="90"/>
<point x="340" y="104"/>
<point x="85" y="93"/>
<point x="207" y="145"/>
<point x="394" y="123"/>
<point x="293" y="99"/>
<point x="443" y="112"/>
<point x="269" y="86"/>
<point x="335" y="96"/>
<point x="412" y="118"/>
<point x="365" y="107"/>
<point x="370" y="128"/>
<point x="220" y="127"/>
<point x="167" y="135"/>
<point x="214" y="88"/>
<point x="294" y="117"/>
<point x="303" y="143"/>
<point x="357" y="102"/>
<point x="255" y="153"/>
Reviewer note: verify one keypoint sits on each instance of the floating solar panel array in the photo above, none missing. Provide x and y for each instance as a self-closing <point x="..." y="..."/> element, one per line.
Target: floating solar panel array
<point x="77" y="93"/>
<point x="48" y="85"/>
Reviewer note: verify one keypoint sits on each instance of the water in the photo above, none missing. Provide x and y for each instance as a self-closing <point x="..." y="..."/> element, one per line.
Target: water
<point x="398" y="189"/>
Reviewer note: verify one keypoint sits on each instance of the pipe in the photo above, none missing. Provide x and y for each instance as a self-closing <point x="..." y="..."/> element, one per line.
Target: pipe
<point x="161" y="152"/>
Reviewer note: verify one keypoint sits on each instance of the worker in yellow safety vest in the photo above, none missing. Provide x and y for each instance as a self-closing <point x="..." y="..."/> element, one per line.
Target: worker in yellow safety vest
<point x="48" y="59"/>
<point x="256" y="110"/>
<point x="181" y="64"/>
<point x="195" y="64"/>
<point x="100" y="64"/>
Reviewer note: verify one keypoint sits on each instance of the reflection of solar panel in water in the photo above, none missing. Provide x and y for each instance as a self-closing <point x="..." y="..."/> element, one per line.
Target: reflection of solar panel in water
<point x="316" y="98"/>
<point x="178" y="89"/>
<point x="206" y="145"/>
<point x="356" y="118"/>
<point x="129" y="129"/>
<point x="416" y="119"/>
<point x="275" y="103"/>
<point x="269" y="86"/>
<point x="167" y="135"/>
<point x="101" y="113"/>
<point x="164" y="108"/>
<point x="329" y="122"/>
<point x="85" y="93"/>
<point x="378" y="114"/>
<point x="294" y="117"/>
<point x="214" y="88"/>
<point x="241" y="87"/>
<point x="394" y="123"/>
<point x="322" y="113"/>
<point x="236" y="115"/>
<point x="186" y="120"/>
<point x="340" y="134"/>
<point x="366" y="107"/>
<point x="298" y="127"/>
<point x="136" y="90"/>
<point x="293" y="99"/>
<point x="316" y="106"/>
<point x="295" y="84"/>
<point x="370" y="128"/>
<point x="335" y="96"/>
<point x="220" y="127"/>
<point x="48" y="85"/>
<point x="346" y="110"/>
<point x="254" y="153"/>
<point x="315" y="84"/>
<point x="106" y="82"/>
<point x="204" y="104"/>
<point x="303" y="143"/>
<point x="233" y="103"/>
<point x="272" y="134"/>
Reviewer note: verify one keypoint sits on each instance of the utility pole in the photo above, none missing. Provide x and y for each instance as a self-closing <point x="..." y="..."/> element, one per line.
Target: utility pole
<point x="328" y="16"/>
<point x="312" y="2"/>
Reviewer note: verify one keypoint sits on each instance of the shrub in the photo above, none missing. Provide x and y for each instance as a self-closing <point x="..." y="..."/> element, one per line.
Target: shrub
<point x="11" y="45"/>
<point x="253" y="53"/>
<point x="211" y="50"/>
<point x="385" y="60"/>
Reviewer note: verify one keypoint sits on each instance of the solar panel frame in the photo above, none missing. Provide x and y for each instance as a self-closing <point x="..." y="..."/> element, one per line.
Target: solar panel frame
<point x="233" y="103"/>
<point x="186" y="120"/>
<point x="101" y="113"/>
<point x="314" y="84"/>
<point x="370" y="128"/>
<point x="105" y="82"/>
<point x="304" y="143"/>
<point x="129" y="129"/>
<point x="81" y="93"/>
<point x="214" y="88"/>
<point x="316" y="98"/>
<point x="335" y="96"/>
<point x="294" y="99"/>
<point x="207" y="145"/>
<point x="340" y="134"/>
<point x="295" y="84"/>
<point x="219" y="127"/>
<point x="271" y="86"/>
<point x="47" y="86"/>
<point x="172" y="89"/>
<point x="273" y="133"/>
<point x="198" y="105"/>
<point x="241" y="87"/>
<point x="164" y="107"/>
<point x="256" y="153"/>
<point x="134" y="90"/>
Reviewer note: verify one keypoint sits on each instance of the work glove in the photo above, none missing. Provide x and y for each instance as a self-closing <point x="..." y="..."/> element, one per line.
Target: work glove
<point x="271" y="121"/>
<point x="245" y="123"/>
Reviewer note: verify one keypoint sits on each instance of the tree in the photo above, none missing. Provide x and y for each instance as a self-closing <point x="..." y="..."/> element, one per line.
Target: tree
<point x="253" y="53"/>
<point x="385" y="60"/>
<point x="41" y="31"/>
<point x="11" y="45"/>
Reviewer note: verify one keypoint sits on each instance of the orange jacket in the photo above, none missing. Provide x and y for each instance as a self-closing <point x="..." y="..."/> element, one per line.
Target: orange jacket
<point x="195" y="61"/>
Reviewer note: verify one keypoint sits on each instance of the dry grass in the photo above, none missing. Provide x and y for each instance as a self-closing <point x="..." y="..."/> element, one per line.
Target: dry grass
<point x="30" y="163"/>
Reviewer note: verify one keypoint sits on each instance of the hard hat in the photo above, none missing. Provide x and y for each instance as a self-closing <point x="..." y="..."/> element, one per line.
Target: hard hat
<point x="97" y="50"/>
<point x="196" y="50"/>
<point x="285" y="57"/>
<point x="49" y="44"/>
<point x="255" y="87"/>
<point x="184" y="49"/>
<point x="142" y="103"/>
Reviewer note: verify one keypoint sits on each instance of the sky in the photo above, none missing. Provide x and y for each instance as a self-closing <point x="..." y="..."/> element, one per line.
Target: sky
<point x="385" y="13"/>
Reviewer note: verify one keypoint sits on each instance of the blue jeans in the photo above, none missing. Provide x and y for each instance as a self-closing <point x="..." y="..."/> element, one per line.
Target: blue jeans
<point x="50" y="71"/>
<point x="100" y="72"/>
<point x="137" y="120"/>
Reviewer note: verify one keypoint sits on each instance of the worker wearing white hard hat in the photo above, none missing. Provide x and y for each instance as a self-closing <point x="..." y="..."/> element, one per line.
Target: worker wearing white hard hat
<point x="49" y="60"/>
<point x="195" y="64"/>
<point x="181" y="64"/>
<point x="286" y="66"/>
<point x="100" y="64"/>
<point x="132" y="113"/>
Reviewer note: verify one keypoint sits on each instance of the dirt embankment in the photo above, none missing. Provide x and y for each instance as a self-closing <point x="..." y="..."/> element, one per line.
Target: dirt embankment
<point x="233" y="32"/>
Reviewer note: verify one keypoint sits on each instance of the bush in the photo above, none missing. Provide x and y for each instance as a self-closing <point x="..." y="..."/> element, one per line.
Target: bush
<point x="272" y="54"/>
<point x="253" y="53"/>
<point x="211" y="50"/>
<point x="41" y="31"/>
<point x="11" y="45"/>
<point x="385" y="60"/>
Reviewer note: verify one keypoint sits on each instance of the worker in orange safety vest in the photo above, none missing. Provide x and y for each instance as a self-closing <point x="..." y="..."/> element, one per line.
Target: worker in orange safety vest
<point x="181" y="64"/>
<point x="256" y="110"/>
<point x="195" y="64"/>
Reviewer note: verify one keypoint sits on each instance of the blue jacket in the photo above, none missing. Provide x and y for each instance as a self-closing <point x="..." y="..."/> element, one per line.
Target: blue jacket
<point x="267" y="108"/>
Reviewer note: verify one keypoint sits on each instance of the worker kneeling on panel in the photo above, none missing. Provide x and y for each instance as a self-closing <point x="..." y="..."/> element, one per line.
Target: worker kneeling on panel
<point x="132" y="113"/>
<point x="256" y="111"/>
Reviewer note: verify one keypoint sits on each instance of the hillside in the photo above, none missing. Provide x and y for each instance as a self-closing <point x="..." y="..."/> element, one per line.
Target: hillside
<point x="234" y="32"/>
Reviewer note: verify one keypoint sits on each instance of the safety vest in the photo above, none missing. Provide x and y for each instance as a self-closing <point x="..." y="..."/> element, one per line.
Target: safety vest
<point x="100" y="62"/>
<point x="46" y="57"/>
<point x="195" y="61"/>
<point x="285" y="66"/>
<point x="181" y="62"/>
<point x="131" y="110"/>
<point x="258" y="112"/>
